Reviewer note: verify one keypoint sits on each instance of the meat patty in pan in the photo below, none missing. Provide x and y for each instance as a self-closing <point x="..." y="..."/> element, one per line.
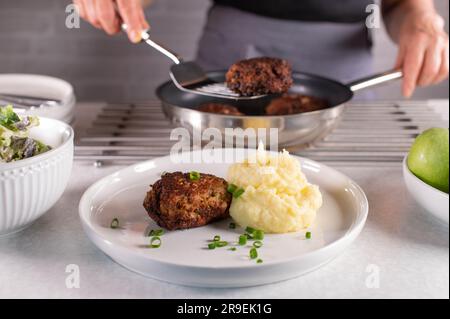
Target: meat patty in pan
<point x="218" y="108"/>
<point x="177" y="201"/>
<point x="294" y="104"/>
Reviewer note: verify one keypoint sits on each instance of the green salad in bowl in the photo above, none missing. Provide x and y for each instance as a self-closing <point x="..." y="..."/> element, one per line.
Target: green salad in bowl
<point x="15" y="143"/>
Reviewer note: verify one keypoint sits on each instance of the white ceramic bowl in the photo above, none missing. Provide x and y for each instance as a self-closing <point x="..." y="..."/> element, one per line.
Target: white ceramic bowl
<point x="30" y="187"/>
<point x="42" y="86"/>
<point x="431" y="199"/>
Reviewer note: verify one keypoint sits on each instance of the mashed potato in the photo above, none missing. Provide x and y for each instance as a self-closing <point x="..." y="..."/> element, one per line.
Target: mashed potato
<point x="277" y="197"/>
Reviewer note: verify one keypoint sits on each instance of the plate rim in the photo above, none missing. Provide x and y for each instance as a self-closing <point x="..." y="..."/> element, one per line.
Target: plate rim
<point x="352" y="232"/>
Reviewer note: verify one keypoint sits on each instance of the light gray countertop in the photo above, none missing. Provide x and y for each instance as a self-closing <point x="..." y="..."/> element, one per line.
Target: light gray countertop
<point x="407" y="247"/>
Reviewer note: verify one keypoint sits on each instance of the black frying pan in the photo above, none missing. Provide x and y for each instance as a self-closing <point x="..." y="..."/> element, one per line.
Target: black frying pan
<point x="296" y="129"/>
<point x="334" y="92"/>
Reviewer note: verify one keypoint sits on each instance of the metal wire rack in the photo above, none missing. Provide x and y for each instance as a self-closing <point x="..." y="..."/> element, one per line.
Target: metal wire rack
<point x="371" y="134"/>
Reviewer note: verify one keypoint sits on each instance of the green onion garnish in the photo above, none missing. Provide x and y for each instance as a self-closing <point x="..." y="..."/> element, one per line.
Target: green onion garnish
<point x="258" y="234"/>
<point x="221" y="243"/>
<point x="257" y="244"/>
<point x="259" y="261"/>
<point x="238" y="192"/>
<point x="156" y="232"/>
<point x="155" y="242"/>
<point x="242" y="240"/>
<point x="231" y="188"/>
<point x="115" y="223"/>
<point x="308" y="235"/>
<point x="234" y="190"/>
<point x="253" y="253"/>
<point x="232" y="225"/>
<point x="232" y="248"/>
<point x="250" y="230"/>
<point x="212" y="246"/>
<point x="216" y="238"/>
<point x="194" y="176"/>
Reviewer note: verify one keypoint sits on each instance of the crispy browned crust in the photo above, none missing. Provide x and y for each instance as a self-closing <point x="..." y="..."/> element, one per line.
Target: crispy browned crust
<point x="218" y="108"/>
<point x="176" y="202"/>
<point x="259" y="76"/>
<point x="294" y="104"/>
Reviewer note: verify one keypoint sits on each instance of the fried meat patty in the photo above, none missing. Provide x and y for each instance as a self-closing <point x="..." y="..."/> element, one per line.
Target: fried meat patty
<point x="294" y="104"/>
<point x="218" y="108"/>
<point x="259" y="76"/>
<point x="177" y="202"/>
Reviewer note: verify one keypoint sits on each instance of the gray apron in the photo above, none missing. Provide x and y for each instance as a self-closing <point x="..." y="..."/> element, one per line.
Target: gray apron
<point x="335" y="50"/>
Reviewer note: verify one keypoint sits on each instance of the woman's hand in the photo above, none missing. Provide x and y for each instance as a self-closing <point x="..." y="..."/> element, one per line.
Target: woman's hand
<point x="423" y="50"/>
<point x="108" y="15"/>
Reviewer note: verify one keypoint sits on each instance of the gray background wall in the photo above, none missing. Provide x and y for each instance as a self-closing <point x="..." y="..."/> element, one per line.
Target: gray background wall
<point x="34" y="39"/>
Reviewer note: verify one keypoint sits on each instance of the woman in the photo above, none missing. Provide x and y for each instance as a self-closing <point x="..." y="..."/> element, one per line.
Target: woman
<point x="323" y="37"/>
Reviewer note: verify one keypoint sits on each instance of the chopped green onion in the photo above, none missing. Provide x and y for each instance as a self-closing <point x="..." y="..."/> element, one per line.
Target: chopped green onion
<point x="212" y="246"/>
<point x="216" y="238"/>
<point x="156" y="232"/>
<point x="232" y="225"/>
<point x="231" y="188"/>
<point x="253" y="253"/>
<point x="221" y="243"/>
<point x="235" y="190"/>
<point x="115" y="223"/>
<point x="242" y="240"/>
<point x="249" y="237"/>
<point x="237" y="193"/>
<point x="232" y="248"/>
<point x="258" y="234"/>
<point x="250" y="230"/>
<point x="257" y="244"/>
<point x="155" y="242"/>
<point x="194" y="176"/>
<point x="308" y="235"/>
<point x="259" y="261"/>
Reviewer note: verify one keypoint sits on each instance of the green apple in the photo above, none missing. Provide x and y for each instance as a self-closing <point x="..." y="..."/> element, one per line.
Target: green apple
<point x="428" y="158"/>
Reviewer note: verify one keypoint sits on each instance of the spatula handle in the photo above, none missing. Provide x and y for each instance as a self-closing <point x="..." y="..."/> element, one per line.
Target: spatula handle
<point x="159" y="47"/>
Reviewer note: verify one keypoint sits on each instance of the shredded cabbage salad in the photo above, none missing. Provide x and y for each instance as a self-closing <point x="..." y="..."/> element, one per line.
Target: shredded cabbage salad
<point x="15" y="144"/>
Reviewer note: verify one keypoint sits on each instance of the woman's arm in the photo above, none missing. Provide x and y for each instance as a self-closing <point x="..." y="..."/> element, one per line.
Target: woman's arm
<point x="423" y="44"/>
<point x="109" y="14"/>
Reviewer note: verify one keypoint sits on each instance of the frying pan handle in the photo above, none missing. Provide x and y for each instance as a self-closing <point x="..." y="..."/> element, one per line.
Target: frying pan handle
<point x="159" y="47"/>
<point x="375" y="80"/>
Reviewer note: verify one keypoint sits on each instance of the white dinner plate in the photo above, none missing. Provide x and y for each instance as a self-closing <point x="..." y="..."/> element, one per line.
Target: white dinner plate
<point x="41" y="86"/>
<point x="183" y="257"/>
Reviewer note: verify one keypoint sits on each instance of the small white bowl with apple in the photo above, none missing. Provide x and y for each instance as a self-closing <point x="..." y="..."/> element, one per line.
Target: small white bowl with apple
<point x="426" y="172"/>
